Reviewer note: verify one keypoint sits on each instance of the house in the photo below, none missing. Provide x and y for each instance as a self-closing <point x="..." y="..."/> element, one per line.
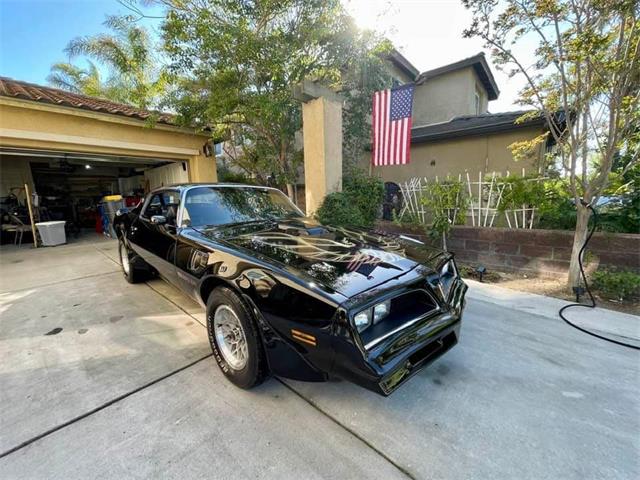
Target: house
<point x="452" y="130"/>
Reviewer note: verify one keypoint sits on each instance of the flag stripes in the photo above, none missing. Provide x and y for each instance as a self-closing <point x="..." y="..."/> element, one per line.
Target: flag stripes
<point x="392" y="126"/>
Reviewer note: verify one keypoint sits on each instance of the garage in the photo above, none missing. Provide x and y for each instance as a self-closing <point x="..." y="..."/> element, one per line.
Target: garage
<point x="79" y="189"/>
<point x="81" y="158"/>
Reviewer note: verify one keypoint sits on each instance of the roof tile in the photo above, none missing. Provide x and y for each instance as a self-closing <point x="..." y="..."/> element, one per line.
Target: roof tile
<point x="38" y="93"/>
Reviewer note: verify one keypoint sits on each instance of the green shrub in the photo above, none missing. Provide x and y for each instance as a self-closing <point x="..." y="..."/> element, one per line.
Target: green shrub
<point x="339" y="209"/>
<point x="621" y="285"/>
<point x="358" y="204"/>
<point x="447" y="203"/>
<point x="556" y="209"/>
<point x="226" y="175"/>
<point x="521" y="191"/>
<point x="366" y="192"/>
<point x="618" y="210"/>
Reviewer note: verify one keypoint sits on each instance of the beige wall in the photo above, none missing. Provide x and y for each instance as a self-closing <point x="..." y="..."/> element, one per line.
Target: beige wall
<point x="322" y="124"/>
<point x="14" y="173"/>
<point x="441" y="98"/>
<point x="486" y="153"/>
<point x="484" y="96"/>
<point x="398" y="73"/>
<point x="166" y="175"/>
<point x="26" y="124"/>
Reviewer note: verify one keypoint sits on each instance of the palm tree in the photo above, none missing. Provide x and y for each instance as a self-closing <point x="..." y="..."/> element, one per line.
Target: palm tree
<point x="127" y="56"/>
<point x="73" y="78"/>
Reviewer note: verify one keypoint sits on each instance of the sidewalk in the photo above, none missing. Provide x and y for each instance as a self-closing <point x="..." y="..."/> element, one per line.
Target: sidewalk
<point x="621" y="326"/>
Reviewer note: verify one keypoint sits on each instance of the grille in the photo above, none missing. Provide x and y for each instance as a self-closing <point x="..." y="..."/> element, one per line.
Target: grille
<point x="406" y="309"/>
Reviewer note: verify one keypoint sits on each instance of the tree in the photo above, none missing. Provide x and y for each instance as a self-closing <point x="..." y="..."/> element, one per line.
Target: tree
<point x="235" y="65"/>
<point x="584" y="71"/>
<point x="134" y="73"/>
<point x="76" y="79"/>
<point x="367" y="73"/>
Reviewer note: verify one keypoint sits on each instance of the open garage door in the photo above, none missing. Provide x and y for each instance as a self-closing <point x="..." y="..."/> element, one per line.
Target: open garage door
<point x="71" y="186"/>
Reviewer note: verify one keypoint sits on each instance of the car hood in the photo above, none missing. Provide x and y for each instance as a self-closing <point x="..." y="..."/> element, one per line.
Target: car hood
<point x="345" y="260"/>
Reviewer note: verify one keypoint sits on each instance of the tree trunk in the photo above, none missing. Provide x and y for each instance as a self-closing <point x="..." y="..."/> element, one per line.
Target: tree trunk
<point x="290" y="192"/>
<point x="582" y="227"/>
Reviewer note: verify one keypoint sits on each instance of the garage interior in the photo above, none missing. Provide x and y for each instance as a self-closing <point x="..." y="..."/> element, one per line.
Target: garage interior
<point x="83" y="190"/>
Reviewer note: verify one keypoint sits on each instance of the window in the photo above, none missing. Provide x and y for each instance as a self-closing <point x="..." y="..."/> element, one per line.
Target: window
<point x="227" y="205"/>
<point x="218" y="149"/>
<point x="478" y="101"/>
<point x="154" y="206"/>
<point x="163" y="203"/>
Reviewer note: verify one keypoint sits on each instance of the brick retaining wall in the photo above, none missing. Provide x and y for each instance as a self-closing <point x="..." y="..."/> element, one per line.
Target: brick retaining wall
<point x="543" y="252"/>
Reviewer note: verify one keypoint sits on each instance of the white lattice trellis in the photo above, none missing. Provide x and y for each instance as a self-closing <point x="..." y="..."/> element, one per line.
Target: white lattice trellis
<point x="485" y="196"/>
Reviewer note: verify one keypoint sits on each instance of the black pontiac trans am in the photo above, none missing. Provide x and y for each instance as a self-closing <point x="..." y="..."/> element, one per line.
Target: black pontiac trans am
<point x="285" y="295"/>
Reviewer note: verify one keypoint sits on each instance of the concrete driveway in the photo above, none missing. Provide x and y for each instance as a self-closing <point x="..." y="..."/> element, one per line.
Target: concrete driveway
<point x="102" y="379"/>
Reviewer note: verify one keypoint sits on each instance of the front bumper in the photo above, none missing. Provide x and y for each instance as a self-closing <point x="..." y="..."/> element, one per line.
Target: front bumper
<point x="388" y="365"/>
<point x="419" y="356"/>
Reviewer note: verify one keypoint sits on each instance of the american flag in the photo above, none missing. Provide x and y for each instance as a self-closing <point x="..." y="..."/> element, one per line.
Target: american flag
<point x="392" y="125"/>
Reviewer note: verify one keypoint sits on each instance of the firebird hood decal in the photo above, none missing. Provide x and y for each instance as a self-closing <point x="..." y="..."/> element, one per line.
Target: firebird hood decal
<point x="348" y="261"/>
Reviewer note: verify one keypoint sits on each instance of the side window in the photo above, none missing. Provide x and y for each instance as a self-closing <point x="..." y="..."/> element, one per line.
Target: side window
<point x="170" y="204"/>
<point x="154" y="207"/>
<point x="163" y="203"/>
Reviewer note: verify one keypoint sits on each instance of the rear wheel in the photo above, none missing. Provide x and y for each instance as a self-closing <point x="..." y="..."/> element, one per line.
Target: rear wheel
<point x="234" y="338"/>
<point x="133" y="268"/>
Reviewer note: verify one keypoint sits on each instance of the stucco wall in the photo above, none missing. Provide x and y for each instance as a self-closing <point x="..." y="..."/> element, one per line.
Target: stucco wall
<point x="14" y="173"/>
<point x="398" y="73"/>
<point x="486" y="153"/>
<point x="322" y="123"/>
<point x="166" y="175"/>
<point x="479" y="87"/>
<point x="441" y="98"/>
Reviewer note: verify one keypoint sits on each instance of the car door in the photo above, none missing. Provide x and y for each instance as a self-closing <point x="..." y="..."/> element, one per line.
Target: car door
<point x="154" y="237"/>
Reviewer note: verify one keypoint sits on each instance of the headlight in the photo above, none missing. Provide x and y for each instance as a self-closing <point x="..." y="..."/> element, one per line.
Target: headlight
<point x="372" y="315"/>
<point x="363" y="319"/>
<point x="381" y="310"/>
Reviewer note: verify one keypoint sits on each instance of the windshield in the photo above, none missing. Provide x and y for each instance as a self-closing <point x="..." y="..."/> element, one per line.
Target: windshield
<point x="228" y="205"/>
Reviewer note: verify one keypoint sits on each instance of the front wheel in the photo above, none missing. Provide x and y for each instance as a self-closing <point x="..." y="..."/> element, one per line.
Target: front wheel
<point x="234" y="339"/>
<point x="128" y="262"/>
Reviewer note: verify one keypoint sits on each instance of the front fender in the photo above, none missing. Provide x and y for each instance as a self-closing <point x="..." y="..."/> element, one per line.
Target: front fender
<point x="295" y="328"/>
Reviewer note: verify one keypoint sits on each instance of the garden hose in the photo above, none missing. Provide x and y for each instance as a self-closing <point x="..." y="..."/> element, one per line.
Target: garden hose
<point x="586" y="286"/>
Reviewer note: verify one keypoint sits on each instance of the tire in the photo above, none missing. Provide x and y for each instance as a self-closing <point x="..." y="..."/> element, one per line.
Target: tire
<point x="130" y="263"/>
<point x="248" y="367"/>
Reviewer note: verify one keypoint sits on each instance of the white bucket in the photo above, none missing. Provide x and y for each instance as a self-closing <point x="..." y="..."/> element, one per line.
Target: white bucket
<point x="52" y="233"/>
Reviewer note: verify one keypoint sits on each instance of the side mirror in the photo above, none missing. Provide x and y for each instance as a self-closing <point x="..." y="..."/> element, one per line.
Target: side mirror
<point x="122" y="211"/>
<point x="158" y="219"/>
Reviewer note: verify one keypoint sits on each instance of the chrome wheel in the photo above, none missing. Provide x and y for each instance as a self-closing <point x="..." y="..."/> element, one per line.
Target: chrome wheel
<point x="124" y="259"/>
<point x="230" y="337"/>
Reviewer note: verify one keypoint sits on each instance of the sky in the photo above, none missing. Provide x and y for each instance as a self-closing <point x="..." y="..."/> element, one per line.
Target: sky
<point x="34" y="33"/>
